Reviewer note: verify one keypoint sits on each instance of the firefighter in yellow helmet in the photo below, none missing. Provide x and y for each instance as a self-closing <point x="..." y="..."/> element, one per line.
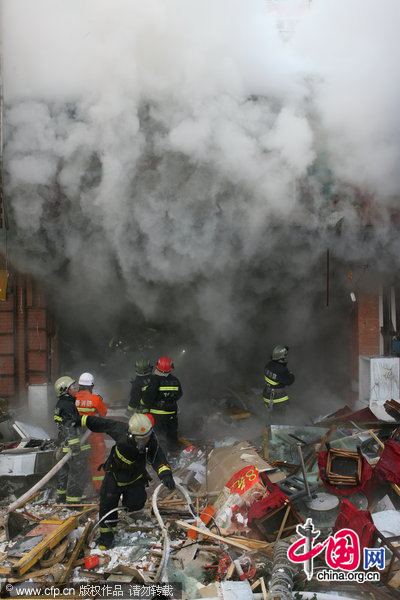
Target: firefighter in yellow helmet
<point x="73" y="475"/>
<point x="125" y="469"/>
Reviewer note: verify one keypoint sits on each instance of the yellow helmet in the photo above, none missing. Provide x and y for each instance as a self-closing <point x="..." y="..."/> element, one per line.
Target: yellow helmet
<point x="140" y="425"/>
<point x="62" y="385"/>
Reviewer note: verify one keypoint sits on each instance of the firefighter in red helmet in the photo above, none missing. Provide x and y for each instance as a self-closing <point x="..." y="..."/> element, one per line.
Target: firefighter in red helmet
<point x="161" y="400"/>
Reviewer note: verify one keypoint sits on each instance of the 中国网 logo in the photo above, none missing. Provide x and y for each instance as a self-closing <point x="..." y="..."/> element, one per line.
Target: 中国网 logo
<point x="342" y="555"/>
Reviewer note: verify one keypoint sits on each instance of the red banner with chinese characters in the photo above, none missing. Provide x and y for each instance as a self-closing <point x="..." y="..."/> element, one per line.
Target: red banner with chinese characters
<point x="243" y="480"/>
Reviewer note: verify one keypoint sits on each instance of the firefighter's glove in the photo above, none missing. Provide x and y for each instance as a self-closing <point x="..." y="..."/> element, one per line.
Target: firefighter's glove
<point x="168" y="481"/>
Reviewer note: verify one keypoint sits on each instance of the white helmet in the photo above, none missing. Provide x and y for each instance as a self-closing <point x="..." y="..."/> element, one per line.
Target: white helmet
<point x="86" y="379"/>
<point x="140" y="425"/>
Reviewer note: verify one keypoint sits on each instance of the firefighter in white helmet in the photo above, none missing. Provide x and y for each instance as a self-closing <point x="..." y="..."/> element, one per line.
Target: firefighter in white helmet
<point x="88" y="403"/>
<point x="125" y="468"/>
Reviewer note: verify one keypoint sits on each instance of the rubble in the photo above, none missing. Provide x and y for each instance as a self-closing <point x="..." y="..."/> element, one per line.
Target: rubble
<point x="224" y="532"/>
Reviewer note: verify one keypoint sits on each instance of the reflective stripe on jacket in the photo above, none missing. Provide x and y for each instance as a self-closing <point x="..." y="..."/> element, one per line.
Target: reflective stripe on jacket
<point x="90" y="404"/>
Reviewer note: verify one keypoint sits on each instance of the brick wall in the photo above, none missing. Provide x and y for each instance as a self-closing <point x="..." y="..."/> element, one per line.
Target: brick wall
<point x="368" y="324"/>
<point x="28" y="344"/>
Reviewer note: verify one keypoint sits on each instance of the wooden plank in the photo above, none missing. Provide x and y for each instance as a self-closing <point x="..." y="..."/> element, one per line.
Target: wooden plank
<point x="255" y="585"/>
<point x="324" y="439"/>
<point x="263" y="588"/>
<point x="230" y="571"/>
<point x="58" y="555"/>
<point x="69" y="505"/>
<point x="36" y="574"/>
<point x="265" y="436"/>
<point x="75" y="553"/>
<point x="210" y="534"/>
<point x="396" y="488"/>
<point x="51" y="540"/>
<point x="395" y="581"/>
<point x="289" y="508"/>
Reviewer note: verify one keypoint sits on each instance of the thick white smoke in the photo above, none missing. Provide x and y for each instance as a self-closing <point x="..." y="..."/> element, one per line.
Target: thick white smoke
<point x="180" y="159"/>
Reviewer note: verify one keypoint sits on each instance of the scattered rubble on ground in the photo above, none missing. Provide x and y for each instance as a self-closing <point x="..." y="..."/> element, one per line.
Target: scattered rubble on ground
<point x="231" y="540"/>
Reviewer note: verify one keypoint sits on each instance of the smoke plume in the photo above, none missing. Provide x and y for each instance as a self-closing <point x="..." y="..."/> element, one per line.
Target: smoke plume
<point x="186" y="165"/>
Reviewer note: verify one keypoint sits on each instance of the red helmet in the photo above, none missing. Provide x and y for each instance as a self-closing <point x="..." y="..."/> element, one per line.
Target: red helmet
<point x="150" y="416"/>
<point x="165" y="364"/>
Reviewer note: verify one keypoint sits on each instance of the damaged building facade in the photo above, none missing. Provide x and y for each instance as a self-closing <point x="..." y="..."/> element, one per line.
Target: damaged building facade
<point x="204" y="193"/>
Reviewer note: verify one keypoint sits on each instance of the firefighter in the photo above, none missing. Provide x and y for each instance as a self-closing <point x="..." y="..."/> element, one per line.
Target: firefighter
<point x="88" y="403"/>
<point x="143" y="375"/>
<point x="136" y="444"/>
<point x="72" y="476"/>
<point x="277" y="376"/>
<point x="160" y="398"/>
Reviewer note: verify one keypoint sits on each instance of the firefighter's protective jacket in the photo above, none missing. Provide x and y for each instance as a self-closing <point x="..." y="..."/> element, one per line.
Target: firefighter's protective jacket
<point x="162" y="394"/>
<point x="276" y="377"/>
<point x="139" y="386"/>
<point x="67" y="419"/>
<point x="90" y="404"/>
<point x="126" y="462"/>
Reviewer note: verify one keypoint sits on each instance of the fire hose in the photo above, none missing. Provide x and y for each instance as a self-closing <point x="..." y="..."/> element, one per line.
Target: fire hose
<point x="161" y="572"/>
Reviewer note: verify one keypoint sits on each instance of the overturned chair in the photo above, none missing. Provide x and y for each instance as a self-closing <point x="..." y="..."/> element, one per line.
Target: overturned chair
<point x="344" y="471"/>
<point x="344" y="467"/>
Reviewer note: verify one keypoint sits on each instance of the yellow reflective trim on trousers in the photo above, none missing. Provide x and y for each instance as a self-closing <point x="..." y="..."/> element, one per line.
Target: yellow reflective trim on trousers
<point x="129" y="482"/>
<point x="270" y="381"/>
<point x="80" y="409"/>
<point x="74" y="498"/>
<point x="61" y="491"/>
<point x="86" y="447"/>
<point x="122" y="457"/>
<point x="163" y="468"/>
<point x="162" y="412"/>
<point x="107" y="529"/>
<point x="74" y="441"/>
<point x="169" y="388"/>
<point x="57" y="418"/>
<point x="283" y="399"/>
<point x="66" y="449"/>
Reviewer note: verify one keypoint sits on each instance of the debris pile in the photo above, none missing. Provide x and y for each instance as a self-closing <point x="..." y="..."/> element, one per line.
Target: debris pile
<point x="226" y="530"/>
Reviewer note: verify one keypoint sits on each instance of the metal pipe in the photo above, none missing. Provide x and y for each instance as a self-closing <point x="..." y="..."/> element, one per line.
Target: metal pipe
<point x="303" y="468"/>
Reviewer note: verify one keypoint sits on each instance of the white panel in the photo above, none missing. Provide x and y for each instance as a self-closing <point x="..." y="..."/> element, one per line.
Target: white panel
<point x="38" y="400"/>
<point x="27" y="430"/>
<point x="14" y="464"/>
<point x="378" y="379"/>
